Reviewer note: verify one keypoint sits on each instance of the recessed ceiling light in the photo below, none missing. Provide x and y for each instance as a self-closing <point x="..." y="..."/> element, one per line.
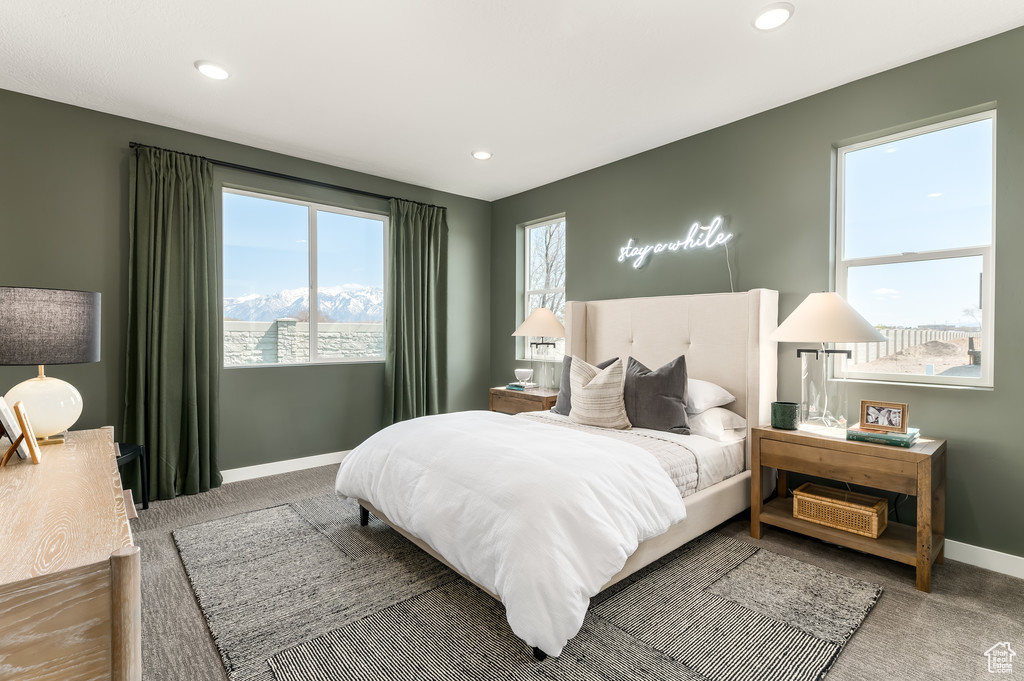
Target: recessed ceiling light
<point x="935" y="195"/>
<point x="211" y="70"/>
<point x="482" y="155"/>
<point x="773" y="16"/>
<point x="890" y="150"/>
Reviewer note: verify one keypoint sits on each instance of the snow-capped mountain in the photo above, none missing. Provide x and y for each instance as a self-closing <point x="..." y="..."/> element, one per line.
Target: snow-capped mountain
<point x="347" y="303"/>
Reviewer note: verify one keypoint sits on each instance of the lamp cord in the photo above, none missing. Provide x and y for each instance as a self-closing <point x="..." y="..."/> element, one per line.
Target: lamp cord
<point x="732" y="288"/>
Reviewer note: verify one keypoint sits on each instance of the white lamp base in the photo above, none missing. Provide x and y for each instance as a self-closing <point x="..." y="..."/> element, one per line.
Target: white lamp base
<point x="52" y="405"/>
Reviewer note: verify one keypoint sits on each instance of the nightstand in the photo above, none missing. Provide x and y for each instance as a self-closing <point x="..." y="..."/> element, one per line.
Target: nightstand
<point x="515" y="401"/>
<point x="919" y="470"/>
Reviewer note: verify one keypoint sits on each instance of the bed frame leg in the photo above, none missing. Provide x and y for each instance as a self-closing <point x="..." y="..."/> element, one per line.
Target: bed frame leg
<point x="539" y="655"/>
<point x="364" y="516"/>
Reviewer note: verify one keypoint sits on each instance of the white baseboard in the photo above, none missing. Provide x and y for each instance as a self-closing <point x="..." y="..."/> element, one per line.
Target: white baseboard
<point x="1006" y="563"/>
<point x="274" y="468"/>
<point x="996" y="561"/>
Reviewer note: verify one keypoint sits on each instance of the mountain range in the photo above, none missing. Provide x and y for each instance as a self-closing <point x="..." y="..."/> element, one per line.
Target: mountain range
<point x="347" y="303"/>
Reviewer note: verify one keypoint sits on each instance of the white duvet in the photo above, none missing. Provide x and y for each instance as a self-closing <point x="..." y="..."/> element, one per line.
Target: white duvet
<point x="540" y="515"/>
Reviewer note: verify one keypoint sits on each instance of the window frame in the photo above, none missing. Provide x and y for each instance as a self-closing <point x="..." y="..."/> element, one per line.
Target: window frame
<point x="314" y="291"/>
<point x="523" y="350"/>
<point x="842" y="265"/>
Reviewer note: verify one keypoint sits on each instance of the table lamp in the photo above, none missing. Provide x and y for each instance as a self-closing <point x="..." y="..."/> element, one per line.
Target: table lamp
<point x="823" y="318"/>
<point x="41" y="326"/>
<point x="542" y="323"/>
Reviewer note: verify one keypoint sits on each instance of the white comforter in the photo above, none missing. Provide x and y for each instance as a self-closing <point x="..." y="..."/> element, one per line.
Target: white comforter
<point x="540" y="515"/>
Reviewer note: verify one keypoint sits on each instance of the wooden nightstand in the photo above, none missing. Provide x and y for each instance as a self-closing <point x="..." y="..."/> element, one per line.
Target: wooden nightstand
<point x="513" y="401"/>
<point x="920" y="471"/>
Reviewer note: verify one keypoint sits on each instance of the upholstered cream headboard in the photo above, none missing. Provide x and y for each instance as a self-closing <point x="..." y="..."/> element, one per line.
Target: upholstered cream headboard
<point x="723" y="335"/>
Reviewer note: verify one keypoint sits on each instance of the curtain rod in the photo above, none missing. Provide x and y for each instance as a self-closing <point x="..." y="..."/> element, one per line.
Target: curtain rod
<point x="284" y="176"/>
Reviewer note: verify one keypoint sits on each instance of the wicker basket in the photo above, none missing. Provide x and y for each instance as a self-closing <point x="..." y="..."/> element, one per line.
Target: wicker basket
<point x="847" y="511"/>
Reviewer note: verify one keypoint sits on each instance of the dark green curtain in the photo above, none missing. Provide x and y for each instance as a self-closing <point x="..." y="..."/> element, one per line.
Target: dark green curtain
<point x="415" y="370"/>
<point x="174" y="350"/>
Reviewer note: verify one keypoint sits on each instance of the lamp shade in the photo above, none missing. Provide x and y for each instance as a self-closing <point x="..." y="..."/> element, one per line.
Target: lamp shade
<point x="541" y="322"/>
<point x="826" y="318"/>
<point x="48" y="326"/>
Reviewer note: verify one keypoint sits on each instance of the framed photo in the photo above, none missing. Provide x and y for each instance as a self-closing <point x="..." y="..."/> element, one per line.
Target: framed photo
<point x="884" y="417"/>
<point x="26" y="430"/>
<point x="12" y="429"/>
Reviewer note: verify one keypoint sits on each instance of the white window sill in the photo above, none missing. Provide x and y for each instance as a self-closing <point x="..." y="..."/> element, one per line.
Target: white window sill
<point x="910" y="384"/>
<point x="332" y="362"/>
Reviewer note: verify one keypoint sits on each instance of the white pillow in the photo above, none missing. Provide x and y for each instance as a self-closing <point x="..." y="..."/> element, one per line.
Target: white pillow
<point x="718" y="424"/>
<point x="702" y="395"/>
<point x="597" y="395"/>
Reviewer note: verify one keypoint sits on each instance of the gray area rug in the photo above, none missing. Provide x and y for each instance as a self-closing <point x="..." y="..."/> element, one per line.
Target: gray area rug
<point x="300" y="592"/>
<point x="270" y="579"/>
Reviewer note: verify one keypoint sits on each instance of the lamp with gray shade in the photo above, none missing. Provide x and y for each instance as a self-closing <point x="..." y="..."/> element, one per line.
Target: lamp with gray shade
<point x="40" y="326"/>
<point x="824" y="318"/>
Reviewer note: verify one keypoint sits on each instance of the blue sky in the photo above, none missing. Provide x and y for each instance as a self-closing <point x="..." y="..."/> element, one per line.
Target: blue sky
<point x="916" y="294"/>
<point x="928" y="192"/>
<point x="266" y="249"/>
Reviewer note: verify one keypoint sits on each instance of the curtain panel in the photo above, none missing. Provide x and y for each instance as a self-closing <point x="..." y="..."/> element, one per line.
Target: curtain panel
<point x="173" y="351"/>
<point x="415" y="368"/>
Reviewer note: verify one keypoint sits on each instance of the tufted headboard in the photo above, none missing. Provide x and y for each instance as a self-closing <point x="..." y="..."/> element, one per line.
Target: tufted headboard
<point x="723" y="335"/>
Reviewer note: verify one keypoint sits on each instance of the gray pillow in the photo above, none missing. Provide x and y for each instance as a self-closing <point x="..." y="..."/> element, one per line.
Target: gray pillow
<point x="657" y="399"/>
<point x="564" y="402"/>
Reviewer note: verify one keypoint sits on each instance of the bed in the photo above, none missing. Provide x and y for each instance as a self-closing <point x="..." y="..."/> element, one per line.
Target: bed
<point x="725" y="338"/>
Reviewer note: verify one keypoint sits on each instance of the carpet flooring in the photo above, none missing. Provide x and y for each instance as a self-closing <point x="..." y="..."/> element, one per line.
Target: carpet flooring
<point x="909" y="635"/>
<point x="304" y="586"/>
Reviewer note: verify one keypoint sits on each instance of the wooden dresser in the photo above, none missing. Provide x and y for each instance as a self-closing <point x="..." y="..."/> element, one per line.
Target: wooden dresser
<point x="70" y="597"/>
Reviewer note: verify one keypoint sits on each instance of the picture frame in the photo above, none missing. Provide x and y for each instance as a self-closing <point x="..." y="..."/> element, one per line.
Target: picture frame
<point x="12" y="429"/>
<point x="884" y="417"/>
<point x="28" y="433"/>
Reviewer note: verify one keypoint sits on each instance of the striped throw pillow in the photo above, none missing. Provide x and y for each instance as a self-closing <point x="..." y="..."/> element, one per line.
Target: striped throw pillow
<point x="597" y="395"/>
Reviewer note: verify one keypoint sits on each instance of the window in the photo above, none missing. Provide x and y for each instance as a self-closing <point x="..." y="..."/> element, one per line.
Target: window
<point x="545" y="280"/>
<point x="915" y="233"/>
<point x="284" y="258"/>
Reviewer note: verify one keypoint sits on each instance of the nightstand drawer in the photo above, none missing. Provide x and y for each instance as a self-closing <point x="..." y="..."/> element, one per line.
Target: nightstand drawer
<point x="870" y="471"/>
<point x="509" y="403"/>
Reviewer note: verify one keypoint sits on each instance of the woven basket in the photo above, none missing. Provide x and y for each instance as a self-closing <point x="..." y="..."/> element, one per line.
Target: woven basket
<point x="848" y="511"/>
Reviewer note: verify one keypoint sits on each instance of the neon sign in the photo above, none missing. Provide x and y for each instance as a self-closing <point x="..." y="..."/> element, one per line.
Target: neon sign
<point x="699" y="236"/>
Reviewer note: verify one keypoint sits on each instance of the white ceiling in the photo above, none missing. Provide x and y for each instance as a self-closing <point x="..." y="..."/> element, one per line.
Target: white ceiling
<point x="406" y="89"/>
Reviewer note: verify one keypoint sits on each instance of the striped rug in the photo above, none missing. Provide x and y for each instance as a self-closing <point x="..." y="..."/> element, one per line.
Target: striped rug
<point x="315" y="597"/>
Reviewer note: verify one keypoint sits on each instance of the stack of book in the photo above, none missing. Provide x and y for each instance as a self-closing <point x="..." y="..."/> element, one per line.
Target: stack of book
<point x="897" y="439"/>
<point x="520" y="386"/>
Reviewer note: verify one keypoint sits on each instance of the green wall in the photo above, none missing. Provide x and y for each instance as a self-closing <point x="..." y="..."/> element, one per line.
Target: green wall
<point x="771" y="176"/>
<point x="63" y="224"/>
